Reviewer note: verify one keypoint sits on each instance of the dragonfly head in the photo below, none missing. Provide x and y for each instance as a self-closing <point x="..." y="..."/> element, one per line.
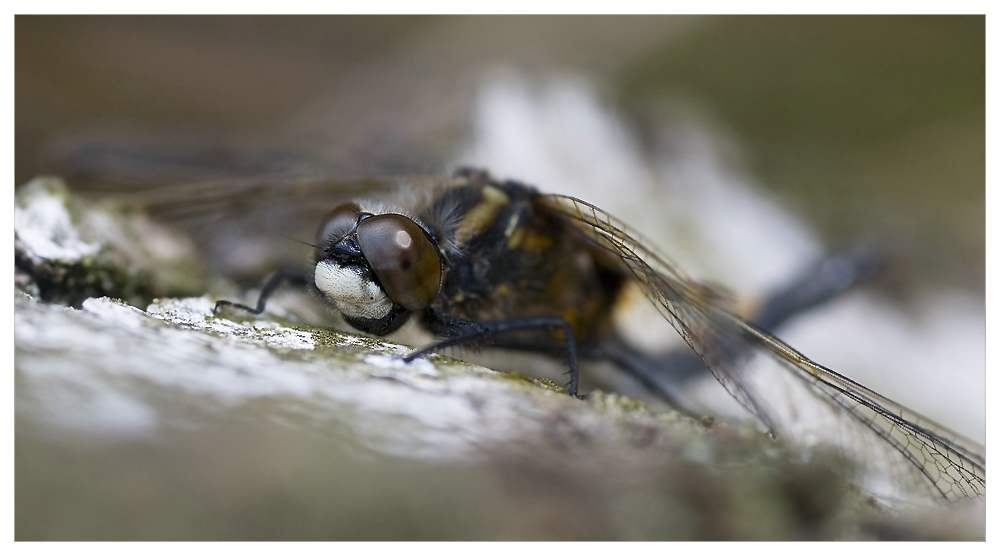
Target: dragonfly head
<point x="375" y="268"/>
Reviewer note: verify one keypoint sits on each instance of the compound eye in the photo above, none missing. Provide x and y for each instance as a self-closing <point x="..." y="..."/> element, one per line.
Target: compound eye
<point x="403" y="259"/>
<point x="338" y="223"/>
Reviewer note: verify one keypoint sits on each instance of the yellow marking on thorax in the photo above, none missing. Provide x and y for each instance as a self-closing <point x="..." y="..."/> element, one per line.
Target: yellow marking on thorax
<point x="479" y="217"/>
<point x="529" y="240"/>
<point x="572" y="317"/>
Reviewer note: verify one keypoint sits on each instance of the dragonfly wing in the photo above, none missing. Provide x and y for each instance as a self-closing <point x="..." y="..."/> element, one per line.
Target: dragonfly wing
<point x="249" y="226"/>
<point x="946" y="463"/>
<point x="685" y="303"/>
<point x="954" y="465"/>
<point x="251" y="205"/>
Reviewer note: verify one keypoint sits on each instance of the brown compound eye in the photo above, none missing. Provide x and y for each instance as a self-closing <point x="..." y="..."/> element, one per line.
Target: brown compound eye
<point x="403" y="259"/>
<point x="338" y="223"/>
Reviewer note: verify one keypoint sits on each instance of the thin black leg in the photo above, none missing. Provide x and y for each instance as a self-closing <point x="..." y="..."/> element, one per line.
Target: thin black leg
<point x="464" y="331"/>
<point x="293" y="277"/>
<point x="817" y="285"/>
<point x="827" y="280"/>
<point x="656" y="374"/>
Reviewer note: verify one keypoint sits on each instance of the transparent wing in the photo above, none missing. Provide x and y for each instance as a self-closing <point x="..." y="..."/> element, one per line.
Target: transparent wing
<point x="904" y="443"/>
<point x="248" y="227"/>
<point x="250" y="205"/>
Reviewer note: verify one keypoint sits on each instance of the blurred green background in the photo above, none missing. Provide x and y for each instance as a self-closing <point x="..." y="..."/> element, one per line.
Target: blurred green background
<point x="871" y="124"/>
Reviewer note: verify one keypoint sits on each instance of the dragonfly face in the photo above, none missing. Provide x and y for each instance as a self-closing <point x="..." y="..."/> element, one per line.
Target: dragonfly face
<point x="375" y="268"/>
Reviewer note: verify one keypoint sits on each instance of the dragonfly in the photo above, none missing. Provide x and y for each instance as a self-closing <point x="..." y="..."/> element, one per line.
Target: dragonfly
<point x="470" y="217"/>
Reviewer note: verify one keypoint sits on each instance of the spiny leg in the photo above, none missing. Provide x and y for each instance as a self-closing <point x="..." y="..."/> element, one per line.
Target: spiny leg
<point x="836" y="275"/>
<point x="464" y="331"/>
<point x="276" y="280"/>
<point x="656" y="374"/>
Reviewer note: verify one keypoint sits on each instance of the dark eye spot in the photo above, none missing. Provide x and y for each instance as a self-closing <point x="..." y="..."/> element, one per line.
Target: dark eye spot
<point x="402" y="257"/>
<point x="338" y="223"/>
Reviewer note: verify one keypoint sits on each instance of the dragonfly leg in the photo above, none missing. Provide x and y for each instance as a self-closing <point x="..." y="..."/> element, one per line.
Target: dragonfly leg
<point x="460" y="331"/>
<point x="829" y="279"/>
<point x="817" y="285"/>
<point x="667" y="374"/>
<point x="276" y="280"/>
<point x="654" y="373"/>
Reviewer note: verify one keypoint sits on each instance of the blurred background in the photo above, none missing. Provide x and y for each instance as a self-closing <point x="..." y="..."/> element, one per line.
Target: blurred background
<point x="747" y="147"/>
<point x="864" y="126"/>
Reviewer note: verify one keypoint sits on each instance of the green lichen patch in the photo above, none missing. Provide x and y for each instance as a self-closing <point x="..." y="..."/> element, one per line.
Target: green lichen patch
<point x="616" y="402"/>
<point x="544" y="383"/>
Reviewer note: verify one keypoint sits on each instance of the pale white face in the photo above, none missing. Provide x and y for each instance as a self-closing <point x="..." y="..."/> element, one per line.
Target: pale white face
<point x="354" y="294"/>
